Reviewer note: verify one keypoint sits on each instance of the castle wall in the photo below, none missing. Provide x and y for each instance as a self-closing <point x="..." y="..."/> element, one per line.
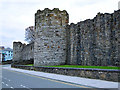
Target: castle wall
<point x="23" y="54"/>
<point x="28" y="52"/>
<point x="73" y="44"/>
<point x="17" y="48"/>
<point x="50" y="44"/>
<point x="95" y="41"/>
<point x="90" y="42"/>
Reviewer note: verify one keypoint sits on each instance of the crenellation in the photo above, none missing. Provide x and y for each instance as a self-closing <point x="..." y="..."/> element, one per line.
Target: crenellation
<point x="93" y="42"/>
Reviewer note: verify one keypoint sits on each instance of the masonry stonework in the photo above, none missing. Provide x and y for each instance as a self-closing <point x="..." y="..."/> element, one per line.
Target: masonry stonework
<point x="50" y="43"/>
<point x="96" y="41"/>
<point x="22" y="53"/>
<point x="90" y="42"/>
<point x="17" y="51"/>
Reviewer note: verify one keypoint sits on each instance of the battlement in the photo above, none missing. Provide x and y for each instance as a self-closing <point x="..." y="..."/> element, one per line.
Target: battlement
<point x="53" y="17"/>
<point x="47" y="10"/>
<point x="18" y="45"/>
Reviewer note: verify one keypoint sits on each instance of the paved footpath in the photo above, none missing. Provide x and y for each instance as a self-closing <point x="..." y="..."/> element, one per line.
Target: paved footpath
<point x="72" y="79"/>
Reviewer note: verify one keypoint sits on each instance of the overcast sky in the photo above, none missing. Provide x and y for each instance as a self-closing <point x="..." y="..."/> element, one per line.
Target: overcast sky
<point x="16" y="15"/>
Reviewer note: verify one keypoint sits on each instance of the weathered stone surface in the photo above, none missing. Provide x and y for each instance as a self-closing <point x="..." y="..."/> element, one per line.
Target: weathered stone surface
<point x="23" y="54"/>
<point x="50" y="43"/>
<point x="90" y="42"/>
<point x="17" y="48"/>
<point x="96" y="41"/>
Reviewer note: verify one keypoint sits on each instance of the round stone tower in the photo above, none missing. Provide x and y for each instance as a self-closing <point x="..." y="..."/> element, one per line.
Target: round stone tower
<point x="50" y="32"/>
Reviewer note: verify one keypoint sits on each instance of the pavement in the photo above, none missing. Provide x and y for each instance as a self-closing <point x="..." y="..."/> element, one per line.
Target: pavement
<point x="71" y="79"/>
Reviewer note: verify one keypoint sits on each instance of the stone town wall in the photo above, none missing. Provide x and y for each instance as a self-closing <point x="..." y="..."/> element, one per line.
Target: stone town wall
<point x="28" y="52"/>
<point x="96" y="41"/>
<point x="23" y="53"/>
<point x="50" y="44"/>
<point x="90" y="42"/>
<point x="17" y="48"/>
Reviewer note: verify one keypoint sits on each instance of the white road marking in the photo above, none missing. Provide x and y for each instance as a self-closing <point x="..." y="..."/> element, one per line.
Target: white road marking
<point x="25" y="87"/>
<point x="11" y="87"/>
<point x="6" y="84"/>
<point x="22" y="86"/>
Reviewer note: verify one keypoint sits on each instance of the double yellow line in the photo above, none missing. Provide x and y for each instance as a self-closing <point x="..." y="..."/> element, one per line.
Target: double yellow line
<point x="52" y="80"/>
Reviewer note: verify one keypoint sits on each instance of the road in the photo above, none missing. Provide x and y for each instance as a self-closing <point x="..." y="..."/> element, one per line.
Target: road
<point x="13" y="79"/>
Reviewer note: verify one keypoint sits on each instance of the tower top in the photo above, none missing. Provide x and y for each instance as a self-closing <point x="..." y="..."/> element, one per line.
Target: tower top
<point x="47" y="10"/>
<point x="48" y="17"/>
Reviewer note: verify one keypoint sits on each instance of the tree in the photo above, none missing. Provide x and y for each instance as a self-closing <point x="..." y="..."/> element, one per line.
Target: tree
<point x="30" y="34"/>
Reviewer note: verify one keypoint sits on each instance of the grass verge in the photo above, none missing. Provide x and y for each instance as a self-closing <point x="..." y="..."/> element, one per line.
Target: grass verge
<point x="78" y="66"/>
<point x="30" y="65"/>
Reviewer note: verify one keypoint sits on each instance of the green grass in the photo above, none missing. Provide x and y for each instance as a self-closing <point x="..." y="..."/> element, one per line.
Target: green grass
<point x="30" y="65"/>
<point x="78" y="66"/>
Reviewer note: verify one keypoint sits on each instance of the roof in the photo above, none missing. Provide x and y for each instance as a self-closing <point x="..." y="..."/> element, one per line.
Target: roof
<point x="8" y="49"/>
<point x="2" y="47"/>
